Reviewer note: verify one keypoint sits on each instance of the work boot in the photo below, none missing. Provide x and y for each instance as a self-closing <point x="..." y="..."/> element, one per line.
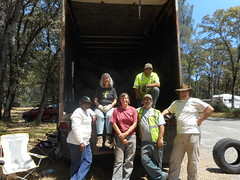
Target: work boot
<point x="99" y="141"/>
<point x="107" y="142"/>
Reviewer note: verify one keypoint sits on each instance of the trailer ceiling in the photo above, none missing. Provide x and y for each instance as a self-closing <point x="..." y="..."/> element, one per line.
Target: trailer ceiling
<point x="115" y="25"/>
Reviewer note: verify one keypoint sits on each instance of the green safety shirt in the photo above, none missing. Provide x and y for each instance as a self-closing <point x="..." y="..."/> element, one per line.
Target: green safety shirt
<point x="142" y="80"/>
<point x="152" y="122"/>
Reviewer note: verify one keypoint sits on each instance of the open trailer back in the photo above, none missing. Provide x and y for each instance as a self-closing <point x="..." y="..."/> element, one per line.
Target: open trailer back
<point x="117" y="37"/>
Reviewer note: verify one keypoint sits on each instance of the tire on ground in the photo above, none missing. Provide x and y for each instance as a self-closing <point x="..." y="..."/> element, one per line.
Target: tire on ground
<point x="219" y="155"/>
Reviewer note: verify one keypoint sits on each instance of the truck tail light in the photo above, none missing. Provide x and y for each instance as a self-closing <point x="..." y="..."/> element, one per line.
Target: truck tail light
<point x="63" y="125"/>
<point x="171" y="122"/>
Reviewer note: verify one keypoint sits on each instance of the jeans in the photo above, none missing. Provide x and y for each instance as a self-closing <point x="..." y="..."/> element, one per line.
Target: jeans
<point x="124" y="157"/>
<point x="103" y="118"/>
<point x="155" y="94"/>
<point x="151" y="157"/>
<point x="80" y="161"/>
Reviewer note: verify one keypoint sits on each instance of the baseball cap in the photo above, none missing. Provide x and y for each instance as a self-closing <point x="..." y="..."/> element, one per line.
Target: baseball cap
<point x="148" y="65"/>
<point x="86" y="99"/>
<point x="147" y="96"/>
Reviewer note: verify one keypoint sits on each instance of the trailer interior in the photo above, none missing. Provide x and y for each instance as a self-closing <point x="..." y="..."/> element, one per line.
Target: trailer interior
<point x="117" y="37"/>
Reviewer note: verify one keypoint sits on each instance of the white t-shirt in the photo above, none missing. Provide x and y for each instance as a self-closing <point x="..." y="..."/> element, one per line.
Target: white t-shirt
<point x="81" y="127"/>
<point x="187" y="114"/>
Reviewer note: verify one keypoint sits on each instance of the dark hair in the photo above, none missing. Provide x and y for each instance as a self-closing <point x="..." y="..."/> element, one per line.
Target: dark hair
<point x="123" y="95"/>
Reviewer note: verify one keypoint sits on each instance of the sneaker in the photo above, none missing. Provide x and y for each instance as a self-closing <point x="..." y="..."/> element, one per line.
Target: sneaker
<point x="99" y="141"/>
<point x="107" y="141"/>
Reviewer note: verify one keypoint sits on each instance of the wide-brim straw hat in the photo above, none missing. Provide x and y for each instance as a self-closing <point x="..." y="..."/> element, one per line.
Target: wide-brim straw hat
<point x="184" y="87"/>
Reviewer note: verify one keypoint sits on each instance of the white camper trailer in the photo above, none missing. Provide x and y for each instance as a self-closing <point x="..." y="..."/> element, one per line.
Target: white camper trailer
<point x="227" y="100"/>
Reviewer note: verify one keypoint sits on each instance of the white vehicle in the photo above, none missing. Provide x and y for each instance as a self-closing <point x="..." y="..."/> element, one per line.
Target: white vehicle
<point x="227" y="100"/>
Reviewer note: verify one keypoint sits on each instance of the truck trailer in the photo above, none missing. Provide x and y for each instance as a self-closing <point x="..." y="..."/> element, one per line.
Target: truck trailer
<point x="117" y="37"/>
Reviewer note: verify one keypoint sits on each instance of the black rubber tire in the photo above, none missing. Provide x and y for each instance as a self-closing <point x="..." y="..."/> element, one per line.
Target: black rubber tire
<point x="54" y="118"/>
<point x="219" y="155"/>
<point x="27" y="118"/>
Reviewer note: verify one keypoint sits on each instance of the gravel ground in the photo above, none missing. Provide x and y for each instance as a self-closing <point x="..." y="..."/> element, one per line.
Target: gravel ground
<point x="102" y="169"/>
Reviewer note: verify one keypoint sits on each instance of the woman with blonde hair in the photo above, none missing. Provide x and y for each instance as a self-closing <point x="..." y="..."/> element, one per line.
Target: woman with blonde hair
<point x="105" y="99"/>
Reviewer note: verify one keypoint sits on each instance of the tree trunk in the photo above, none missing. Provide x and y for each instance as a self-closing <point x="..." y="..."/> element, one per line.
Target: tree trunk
<point x="13" y="82"/>
<point x="43" y="101"/>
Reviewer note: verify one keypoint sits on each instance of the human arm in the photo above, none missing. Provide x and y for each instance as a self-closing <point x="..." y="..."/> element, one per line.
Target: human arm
<point x="160" y="142"/>
<point x="77" y="128"/>
<point x="98" y="105"/>
<point x="153" y="85"/>
<point x="92" y="114"/>
<point x="96" y="102"/>
<point x="155" y="82"/>
<point x="120" y="134"/>
<point x="165" y="112"/>
<point x="109" y="106"/>
<point x="137" y="93"/>
<point x="137" y="87"/>
<point x="206" y="113"/>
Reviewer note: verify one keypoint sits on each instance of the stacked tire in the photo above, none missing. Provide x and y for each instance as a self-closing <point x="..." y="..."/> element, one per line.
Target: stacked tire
<point x="219" y="151"/>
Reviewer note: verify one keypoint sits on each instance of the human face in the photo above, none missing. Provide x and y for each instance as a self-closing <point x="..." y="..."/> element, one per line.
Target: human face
<point x="106" y="81"/>
<point x="124" y="101"/>
<point x="147" y="103"/>
<point x="85" y="105"/>
<point x="148" y="71"/>
<point x="184" y="95"/>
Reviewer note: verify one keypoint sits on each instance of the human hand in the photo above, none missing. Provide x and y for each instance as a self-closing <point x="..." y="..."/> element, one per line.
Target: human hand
<point x="144" y="88"/>
<point x="199" y="121"/>
<point x="82" y="147"/>
<point x="125" y="141"/>
<point x="107" y="108"/>
<point x="160" y="143"/>
<point x="100" y="107"/>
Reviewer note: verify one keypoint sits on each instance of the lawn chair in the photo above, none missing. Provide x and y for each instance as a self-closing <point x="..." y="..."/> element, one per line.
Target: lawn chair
<point x="48" y="145"/>
<point x="16" y="156"/>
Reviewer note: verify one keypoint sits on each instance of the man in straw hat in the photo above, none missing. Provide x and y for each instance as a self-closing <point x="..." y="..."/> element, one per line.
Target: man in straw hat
<point x="147" y="82"/>
<point x="187" y="110"/>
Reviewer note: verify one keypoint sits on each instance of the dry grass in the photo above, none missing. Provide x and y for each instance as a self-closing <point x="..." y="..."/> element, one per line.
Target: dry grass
<point x="224" y="115"/>
<point x="18" y="125"/>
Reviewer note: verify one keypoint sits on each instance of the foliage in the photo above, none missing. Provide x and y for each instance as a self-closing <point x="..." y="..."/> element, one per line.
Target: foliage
<point x="211" y="58"/>
<point x="219" y="106"/>
<point x="33" y="52"/>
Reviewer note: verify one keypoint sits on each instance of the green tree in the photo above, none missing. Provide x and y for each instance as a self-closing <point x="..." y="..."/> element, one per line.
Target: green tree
<point x="222" y="31"/>
<point x="34" y="17"/>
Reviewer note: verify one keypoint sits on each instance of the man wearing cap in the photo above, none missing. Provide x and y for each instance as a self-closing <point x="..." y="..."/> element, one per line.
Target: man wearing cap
<point x="151" y="131"/>
<point x="147" y="82"/>
<point x="187" y="110"/>
<point x="78" y="139"/>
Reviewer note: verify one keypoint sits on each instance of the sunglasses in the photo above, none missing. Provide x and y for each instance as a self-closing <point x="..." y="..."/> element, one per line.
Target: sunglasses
<point x="148" y="68"/>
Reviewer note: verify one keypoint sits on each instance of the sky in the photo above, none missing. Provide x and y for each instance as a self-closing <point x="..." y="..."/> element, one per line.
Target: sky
<point x="204" y="7"/>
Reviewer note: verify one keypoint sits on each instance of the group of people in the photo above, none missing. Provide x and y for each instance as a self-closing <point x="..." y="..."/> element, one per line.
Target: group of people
<point x="125" y="119"/>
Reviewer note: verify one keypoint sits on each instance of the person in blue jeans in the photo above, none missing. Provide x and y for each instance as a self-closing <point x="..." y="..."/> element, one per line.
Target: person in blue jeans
<point x="79" y="139"/>
<point x="105" y="99"/>
<point x="151" y="131"/>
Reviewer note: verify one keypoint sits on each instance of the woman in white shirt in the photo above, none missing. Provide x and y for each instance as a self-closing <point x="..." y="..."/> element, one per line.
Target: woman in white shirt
<point x="78" y="139"/>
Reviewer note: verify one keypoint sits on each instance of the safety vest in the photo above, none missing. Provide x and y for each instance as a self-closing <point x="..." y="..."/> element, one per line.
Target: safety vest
<point x="152" y="123"/>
